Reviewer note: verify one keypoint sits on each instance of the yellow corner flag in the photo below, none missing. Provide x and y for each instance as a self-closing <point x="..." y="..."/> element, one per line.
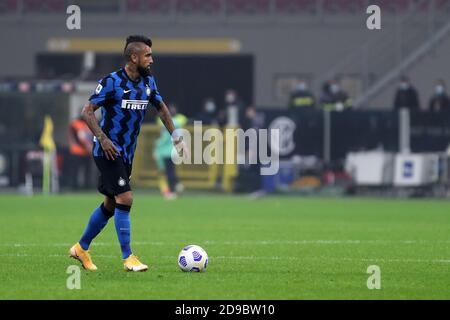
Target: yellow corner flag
<point x="46" y="140"/>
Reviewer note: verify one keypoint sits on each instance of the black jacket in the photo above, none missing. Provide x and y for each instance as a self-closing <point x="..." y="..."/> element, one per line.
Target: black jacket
<point x="301" y="98"/>
<point x="440" y="103"/>
<point x="407" y="98"/>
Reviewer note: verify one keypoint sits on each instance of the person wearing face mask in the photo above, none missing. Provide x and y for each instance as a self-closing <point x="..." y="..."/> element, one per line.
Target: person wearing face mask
<point x="301" y="97"/>
<point x="440" y="101"/>
<point x="208" y="115"/>
<point x="406" y="96"/>
<point x="337" y="99"/>
<point x="234" y="110"/>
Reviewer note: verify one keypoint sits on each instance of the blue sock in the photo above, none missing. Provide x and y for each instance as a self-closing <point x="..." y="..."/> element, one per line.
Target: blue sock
<point x="122" y="222"/>
<point x="97" y="222"/>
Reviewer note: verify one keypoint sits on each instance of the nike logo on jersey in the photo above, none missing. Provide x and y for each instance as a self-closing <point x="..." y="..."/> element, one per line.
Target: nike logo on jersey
<point x="126" y="91"/>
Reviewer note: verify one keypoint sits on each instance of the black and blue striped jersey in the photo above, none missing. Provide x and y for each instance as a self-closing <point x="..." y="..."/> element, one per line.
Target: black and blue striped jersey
<point x="123" y="103"/>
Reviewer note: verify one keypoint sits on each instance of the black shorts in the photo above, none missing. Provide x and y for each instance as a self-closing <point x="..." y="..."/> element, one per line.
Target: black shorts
<point x="114" y="176"/>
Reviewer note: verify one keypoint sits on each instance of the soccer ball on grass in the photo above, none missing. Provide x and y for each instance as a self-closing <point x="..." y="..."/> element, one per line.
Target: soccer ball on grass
<point x="193" y="258"/>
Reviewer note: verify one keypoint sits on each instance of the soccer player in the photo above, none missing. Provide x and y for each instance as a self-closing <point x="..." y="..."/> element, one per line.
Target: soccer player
<point x="123" y="96"/>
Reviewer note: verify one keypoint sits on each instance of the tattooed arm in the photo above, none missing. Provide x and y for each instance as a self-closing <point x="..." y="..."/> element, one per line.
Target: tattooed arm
<point x="166" y="118"/>
<point x="90" y="119"/>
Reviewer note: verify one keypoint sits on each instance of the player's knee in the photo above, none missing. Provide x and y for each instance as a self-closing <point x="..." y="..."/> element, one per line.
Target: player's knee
<point x="109" y="204"/>
<point x="108" y="213"/>
<point x="125" y="199"/>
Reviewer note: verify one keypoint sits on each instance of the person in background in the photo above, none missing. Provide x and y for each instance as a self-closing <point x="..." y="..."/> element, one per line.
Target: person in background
<point x="254" y="119"/>
<point x="334" y="98"/>
<point x="440" y="101"/>
<point x="301" y="97"/>
<point x="234" y="108"/>
<point x="208" y="115"/>
<point x="406" y="96"/>
<point x="325" y="94"/>
<point x="80" y="148"/>
<point x="169" y="184"/>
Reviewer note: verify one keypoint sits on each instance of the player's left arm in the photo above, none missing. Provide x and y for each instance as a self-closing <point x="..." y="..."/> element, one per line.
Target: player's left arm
<point x="165" y="116"/>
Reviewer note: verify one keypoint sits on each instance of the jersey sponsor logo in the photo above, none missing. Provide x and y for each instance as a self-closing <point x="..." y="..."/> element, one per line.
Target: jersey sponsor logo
<point x="134" y="104"/>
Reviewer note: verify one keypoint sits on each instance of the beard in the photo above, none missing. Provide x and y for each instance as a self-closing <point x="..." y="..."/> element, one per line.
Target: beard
<point x="144" y="72"/>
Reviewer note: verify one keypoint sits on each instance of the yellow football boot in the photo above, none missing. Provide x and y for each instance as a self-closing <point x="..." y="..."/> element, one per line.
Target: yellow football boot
<point x="77" y="252"/>
<point x="132" y="263"/>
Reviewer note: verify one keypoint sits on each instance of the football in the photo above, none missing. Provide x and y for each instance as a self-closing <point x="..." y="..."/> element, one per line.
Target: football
<point x="193" y="258"/>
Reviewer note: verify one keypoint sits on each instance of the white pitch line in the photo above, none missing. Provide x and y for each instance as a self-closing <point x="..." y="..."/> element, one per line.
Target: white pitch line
<point x="51" y="255"/>
<point x="325" y="242"/>
<point x="259" y="258"/>
<point x="245" y="242"/>
<point x="331" y="258"/>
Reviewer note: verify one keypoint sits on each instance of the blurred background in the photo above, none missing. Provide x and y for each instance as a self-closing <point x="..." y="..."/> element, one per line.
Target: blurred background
<point x="360" y="111"/>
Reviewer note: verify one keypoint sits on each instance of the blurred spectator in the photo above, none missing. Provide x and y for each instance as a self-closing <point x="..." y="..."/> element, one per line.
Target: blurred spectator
<point x="325" y="94"/>
<point x="249" y="178"/>
<point x="80" y="141"/>
<point x="440" y="101"/>
<point x="406" y="96"/>
<point x="301" y="96"/>
<point x="208" y="115"/>
<point x="234" y="108"/>
<point x="168" y="181"/>
<point x="334" y="98"/>
<point x="253" y="119"/>
<point x="221" y="117"/>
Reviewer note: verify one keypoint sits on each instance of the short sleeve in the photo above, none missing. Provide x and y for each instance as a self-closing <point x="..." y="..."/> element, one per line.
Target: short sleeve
<point x="104" y="92"/>
<point x="155" y="96"/>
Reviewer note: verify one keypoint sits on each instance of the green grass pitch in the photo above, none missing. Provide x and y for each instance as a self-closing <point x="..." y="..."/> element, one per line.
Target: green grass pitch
<point x="273" y="248"/>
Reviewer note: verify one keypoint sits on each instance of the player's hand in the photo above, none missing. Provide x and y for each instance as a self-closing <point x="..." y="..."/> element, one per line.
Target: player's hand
<point x="180" y="146"/>
<point x="108" y="147"/>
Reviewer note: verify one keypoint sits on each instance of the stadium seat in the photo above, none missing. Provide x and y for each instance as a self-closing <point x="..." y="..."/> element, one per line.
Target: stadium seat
<point x="8" y="6"/>
<point x="150" y="6"/>
<point x="198" y="6"/>
<point x="132" y="5"/>
<point x="248" y="6"/>
<point x="239" y="6"/>
<point x="296" y="6"/>
<point x="41" y="6"/>
<point x="442" y="5"/>
<point x="393" y="6"/>
<point x="344" y="6"/>
<point x="261" y="7"/>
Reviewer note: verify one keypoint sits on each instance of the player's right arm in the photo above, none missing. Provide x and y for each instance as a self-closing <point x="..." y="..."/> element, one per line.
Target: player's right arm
<point x="108" y="147"/>
<point x="102" y="97"/>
